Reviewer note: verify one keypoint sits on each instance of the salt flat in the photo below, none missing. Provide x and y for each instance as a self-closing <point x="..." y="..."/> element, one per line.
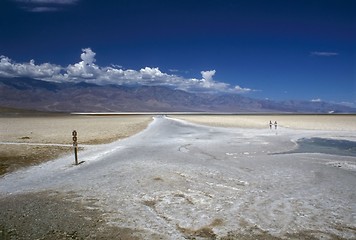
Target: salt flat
<point x="31" y="139"/>
<point x="346" y="122"/>
<point x="178" y="180"/>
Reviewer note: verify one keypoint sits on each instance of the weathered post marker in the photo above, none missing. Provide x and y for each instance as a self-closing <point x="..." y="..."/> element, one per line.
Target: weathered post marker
<point x="75" y="146"/>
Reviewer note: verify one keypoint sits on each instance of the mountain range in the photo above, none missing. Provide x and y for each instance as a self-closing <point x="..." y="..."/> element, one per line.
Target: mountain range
<point x="28" y="93"/>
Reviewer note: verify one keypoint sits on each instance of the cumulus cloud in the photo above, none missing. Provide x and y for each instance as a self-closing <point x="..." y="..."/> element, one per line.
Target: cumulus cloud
<point x="88" y="56"/>
<point x="151" y="73"/>
<point x="316" y="100"/>
<point x="44" y="71"/>
<point x="86" y="70"/>
<point x="242" y="90"/>
<point x="209" y="83"/>
<point x="324" y="54"/>
<point x="208" y="75"/>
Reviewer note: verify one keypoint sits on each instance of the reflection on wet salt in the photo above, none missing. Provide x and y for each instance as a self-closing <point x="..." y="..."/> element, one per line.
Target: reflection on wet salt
<point x="325" y="145"/>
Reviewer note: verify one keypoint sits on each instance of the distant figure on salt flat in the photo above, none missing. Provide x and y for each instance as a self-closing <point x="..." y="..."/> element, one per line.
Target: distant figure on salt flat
<point x="270" y="124"/>
<point x="275" y="124"/>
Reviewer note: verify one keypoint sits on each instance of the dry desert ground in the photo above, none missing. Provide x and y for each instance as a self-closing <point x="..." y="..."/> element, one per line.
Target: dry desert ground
<point x="31" y="140"/>
<point x="307" y="122"/>
<point x="219" y="182"/>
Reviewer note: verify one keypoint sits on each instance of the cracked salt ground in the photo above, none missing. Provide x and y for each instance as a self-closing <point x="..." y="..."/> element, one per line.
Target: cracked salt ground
<point x="178" y="180"/>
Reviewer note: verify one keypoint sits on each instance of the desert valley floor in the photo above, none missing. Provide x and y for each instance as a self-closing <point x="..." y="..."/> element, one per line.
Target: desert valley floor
<point x="184" y="177"/>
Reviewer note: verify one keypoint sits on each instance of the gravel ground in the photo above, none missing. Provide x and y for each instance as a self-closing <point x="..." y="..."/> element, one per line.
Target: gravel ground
<point x="54" y="215"/>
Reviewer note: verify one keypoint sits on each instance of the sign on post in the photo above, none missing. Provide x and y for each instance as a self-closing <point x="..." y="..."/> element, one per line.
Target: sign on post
<point x="75" y="146"/>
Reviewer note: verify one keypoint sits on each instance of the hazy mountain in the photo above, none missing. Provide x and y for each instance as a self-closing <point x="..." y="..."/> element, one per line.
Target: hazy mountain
<point x="29" y="93"/>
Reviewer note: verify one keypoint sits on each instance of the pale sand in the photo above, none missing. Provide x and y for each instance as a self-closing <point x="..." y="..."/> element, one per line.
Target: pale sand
<point x="24" y="131"/>
<point x="308" y="122"/>
<point x="58" y="130"/>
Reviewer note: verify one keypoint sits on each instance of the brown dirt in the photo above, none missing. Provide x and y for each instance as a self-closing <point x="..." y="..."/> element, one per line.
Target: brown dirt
<point x="14" y="157"/>
<point x="53" y="215"/>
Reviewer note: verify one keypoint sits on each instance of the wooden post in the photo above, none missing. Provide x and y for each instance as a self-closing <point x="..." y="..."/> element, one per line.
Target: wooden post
<point x="75" y="145"/>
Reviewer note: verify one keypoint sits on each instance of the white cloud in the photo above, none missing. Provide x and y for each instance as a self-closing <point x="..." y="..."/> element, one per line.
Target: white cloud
<point x="48" y="1"/>
<point x="208" y="83"/>
<point x="208" y="75"/>
<point x="242" y="90"/>
<point x="348" y="104"/>
<point x="116" y="66"/>
<point x="88" y="56"/>
<point x="82" y="70"/>
<point x="324" y="54"/>
<point x="151" y="73"/>
<point x="43" y="9"/>
<point x="38" y="6"/>
<point x="316" y="100"/>
<point x="43" y="71"/>
<point x="87" y="71"/>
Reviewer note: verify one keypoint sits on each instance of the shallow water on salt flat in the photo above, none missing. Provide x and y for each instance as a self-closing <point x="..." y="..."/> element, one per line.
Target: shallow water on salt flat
<point x="325" y="145"/>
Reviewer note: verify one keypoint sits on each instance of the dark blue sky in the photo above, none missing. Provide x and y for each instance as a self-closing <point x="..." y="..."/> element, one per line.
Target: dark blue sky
<point x="276" y="49"/>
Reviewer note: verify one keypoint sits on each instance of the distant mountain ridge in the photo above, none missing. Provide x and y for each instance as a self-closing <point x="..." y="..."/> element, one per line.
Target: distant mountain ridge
<point x="40" y="95"/>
